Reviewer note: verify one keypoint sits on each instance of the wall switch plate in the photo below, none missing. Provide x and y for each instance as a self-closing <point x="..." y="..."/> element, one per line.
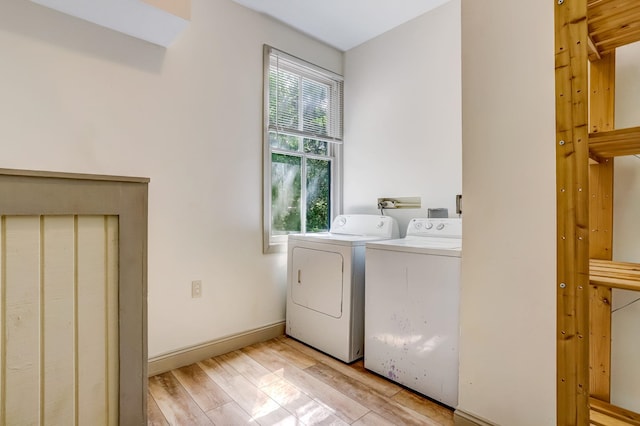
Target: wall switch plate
<point x="196" y="289"/>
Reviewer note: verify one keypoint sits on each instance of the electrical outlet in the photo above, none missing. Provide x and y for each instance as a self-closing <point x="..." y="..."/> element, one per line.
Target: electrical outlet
<point x="196" y="289"/>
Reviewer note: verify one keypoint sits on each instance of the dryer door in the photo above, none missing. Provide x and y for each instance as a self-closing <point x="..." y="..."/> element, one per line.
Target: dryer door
<point x="317" y="280"/>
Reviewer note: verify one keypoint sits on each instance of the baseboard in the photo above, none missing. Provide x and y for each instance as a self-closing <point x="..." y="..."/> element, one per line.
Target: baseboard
<point x="462" y="418"/>
<point x="186" y="356"/>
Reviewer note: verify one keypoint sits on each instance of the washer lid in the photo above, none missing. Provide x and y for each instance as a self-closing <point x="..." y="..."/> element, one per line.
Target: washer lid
<point x="338" y="239"/>
<point x="422" y="245"/>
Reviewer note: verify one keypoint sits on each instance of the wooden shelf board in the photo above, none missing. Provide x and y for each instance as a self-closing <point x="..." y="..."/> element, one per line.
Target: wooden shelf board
<point x="613" y="23"/>
<point x="621" y="275"/>
<point x="615" y="143"/>
<point x="604" y="414"/>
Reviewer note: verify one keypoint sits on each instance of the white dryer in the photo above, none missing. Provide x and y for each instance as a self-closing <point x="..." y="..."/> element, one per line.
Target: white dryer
<point x="412" y="308"/>
<point x="325" y="284"/>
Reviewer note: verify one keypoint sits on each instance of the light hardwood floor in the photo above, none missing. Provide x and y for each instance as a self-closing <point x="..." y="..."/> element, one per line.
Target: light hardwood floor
<point x="284" y="382"/>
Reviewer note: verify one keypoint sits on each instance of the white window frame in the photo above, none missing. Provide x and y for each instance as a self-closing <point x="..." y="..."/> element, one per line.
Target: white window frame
<point x="278" y="243"/>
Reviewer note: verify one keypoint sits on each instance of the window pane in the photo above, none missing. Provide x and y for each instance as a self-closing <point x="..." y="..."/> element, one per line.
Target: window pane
<point x="280" y="141"/>
<point x="312" y="146"/>
<point x="315" y="104"/>
<point x="318" y="195"/>
<point x="283" y="98"/>
<point x="285" y="194"/>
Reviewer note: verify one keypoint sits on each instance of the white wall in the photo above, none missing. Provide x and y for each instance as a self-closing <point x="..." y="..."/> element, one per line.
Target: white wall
<point x="403" y="116"/>
<point x="80" y="98"/>
<point x="508" y="311"/>
<point x="625" y="346"/>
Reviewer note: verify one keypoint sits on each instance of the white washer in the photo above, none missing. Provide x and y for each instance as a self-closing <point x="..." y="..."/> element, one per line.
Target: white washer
<point x="412" y="308"/>
<point x="325" y="284"/>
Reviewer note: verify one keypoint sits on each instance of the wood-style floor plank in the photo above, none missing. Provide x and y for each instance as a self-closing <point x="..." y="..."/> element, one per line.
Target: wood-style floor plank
<point x="355" y="370"/>
<point x="385" y="407"/>
<point x="308" y="410"/>
<point x="230" y="414"/>
<point x="284" y="382"/>
<point x="425" y="407"/>
<point x="154" y="414"/>
<point x="251" y="399"/>
<point x="298" y="358"/>
<point x="249" y="368"/>
<point x="373" y="419"/>
<point x="204" y="391"/>
<point x="174" y="401"/>
<point x="345" y="408"/>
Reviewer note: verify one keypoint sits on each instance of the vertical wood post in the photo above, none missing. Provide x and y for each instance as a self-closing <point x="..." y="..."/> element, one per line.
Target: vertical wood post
<point x="572" y="158"/>
<point x="601" y="119"/>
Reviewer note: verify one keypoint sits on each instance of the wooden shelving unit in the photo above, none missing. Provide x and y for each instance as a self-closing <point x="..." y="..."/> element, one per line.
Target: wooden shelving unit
<point x="610" y="274"/>
<point x="588" y="32"/>
<point x="605" y="414"/>
<point x="614" y="143"/>
<point x="612" y="23"/>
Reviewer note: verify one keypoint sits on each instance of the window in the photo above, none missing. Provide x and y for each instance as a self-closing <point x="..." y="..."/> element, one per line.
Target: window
<point x="302" y="145"/>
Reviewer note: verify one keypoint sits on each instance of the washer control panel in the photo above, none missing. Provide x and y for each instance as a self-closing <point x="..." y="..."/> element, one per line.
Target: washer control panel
<point x="446" y="228"/>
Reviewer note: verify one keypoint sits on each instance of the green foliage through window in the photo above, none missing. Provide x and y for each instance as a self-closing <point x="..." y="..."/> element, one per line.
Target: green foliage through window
<point x="304" y="119"/>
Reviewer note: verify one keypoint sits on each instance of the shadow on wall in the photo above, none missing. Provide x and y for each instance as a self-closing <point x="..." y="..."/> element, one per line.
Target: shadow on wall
<point x="49" y="26"/>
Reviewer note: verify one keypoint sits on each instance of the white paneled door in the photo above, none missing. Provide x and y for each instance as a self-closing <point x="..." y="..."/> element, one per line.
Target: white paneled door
<point x="59" y="320"/>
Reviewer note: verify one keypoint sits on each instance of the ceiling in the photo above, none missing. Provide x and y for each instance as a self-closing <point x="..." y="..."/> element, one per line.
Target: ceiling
<point x="343" y="24"/>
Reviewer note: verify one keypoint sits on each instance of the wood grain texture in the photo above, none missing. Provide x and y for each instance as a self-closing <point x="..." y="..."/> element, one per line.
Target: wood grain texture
<point x="155" y="416"/>
<point x="615" y="143"/>
<point x="174" y="401"/>
<point x="613" y="23"/>
<point x="600" y="342"/>
<point x="204" y="391"/>
<point x="602" y="84"/>
<point x="251" y="399"/>
<point x="345" y="407"/>
<point x="354" y="389"/>
<point x="373" y="419"/>
<point x="601" y="210"/>
<point x="602" y="89"/>
<point x="427" y="408"/>
<point x="267" y="386"/>
<point x="601" y="419"/>
<point x="622" y="275"/>
<point x="354" y="370"/>
<point x="303" y="406"/>
<point x="252" y="370"/>
<point x="230" y="414"/>
<point x="572" y="159"/>
<point x="606" y="410"/>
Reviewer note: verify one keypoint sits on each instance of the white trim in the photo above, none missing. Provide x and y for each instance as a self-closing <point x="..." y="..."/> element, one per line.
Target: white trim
<point x="323" y="73"/>
<point x="189" y="355"/>
<point x="462" y="418"/>
<point x="277" y="243"/>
